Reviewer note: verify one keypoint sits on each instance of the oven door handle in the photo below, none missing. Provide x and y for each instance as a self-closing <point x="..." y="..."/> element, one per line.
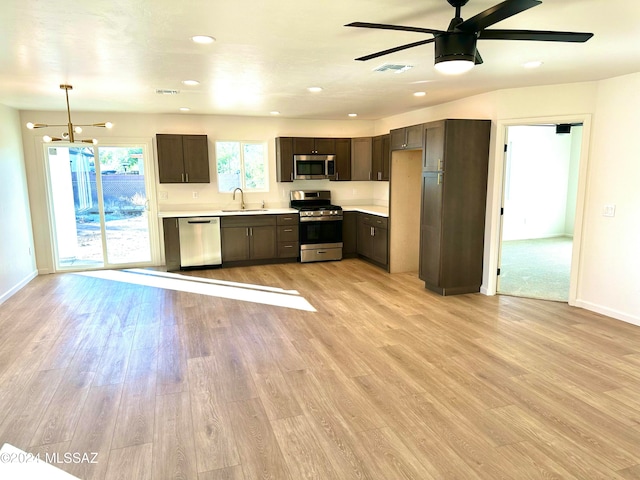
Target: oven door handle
<point x="334" y="218"/>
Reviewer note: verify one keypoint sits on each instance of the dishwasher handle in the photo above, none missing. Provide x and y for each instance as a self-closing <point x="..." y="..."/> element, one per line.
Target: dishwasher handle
<point x="198" y="221"/>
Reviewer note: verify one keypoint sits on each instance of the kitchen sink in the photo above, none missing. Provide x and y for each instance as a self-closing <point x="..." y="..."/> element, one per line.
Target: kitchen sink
<point x="248" y="210"/>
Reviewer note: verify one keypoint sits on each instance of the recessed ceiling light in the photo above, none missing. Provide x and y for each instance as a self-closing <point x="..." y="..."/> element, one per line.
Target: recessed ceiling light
<point x="275" y="112"/>
<point x="184" y="109"/>
<point x="353" y="114"/>
<point x="314" y="89"/>
<point x="419" y="94"/>
<point x="191" y="82"/>
<point x="203" y="39"/>
<point x="533" y="64"/>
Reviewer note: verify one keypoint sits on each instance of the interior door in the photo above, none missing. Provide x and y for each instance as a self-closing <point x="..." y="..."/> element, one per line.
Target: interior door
<point x="99" y="206"/>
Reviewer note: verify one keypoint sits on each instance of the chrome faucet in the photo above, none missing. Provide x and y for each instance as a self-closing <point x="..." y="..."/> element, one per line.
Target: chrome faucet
<point x="241" y="197"/>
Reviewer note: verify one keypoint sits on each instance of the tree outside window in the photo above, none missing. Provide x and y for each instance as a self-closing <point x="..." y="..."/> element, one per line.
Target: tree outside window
<point x="242" y="165"/>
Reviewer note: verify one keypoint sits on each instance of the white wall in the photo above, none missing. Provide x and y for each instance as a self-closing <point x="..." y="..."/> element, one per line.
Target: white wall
<point x="17" y="263"/>
<point x="180" y="197"/>
<point x="610" y="275"/>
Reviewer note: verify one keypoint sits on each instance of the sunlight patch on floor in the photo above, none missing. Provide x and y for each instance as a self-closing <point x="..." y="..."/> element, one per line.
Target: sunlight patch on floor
<point x="205" y="286"/>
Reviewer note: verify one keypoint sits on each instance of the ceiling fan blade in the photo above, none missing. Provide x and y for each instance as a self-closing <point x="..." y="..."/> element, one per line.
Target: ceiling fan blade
<point x="384" y="26"/>
<point x="496" y="14"/>
<point x="396" y="49"/>
<point x="479" y="60"/>
<point x="535" y="35"/>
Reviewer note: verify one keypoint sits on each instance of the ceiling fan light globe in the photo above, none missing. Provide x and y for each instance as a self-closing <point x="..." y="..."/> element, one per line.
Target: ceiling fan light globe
<point x="454" y="67"/>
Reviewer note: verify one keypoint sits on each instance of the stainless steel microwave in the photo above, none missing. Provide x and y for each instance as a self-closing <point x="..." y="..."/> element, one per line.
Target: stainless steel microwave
<point x="314" y="167"/>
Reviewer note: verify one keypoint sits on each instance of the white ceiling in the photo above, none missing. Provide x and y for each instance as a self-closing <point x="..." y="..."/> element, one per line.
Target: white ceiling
<point x="116" y="53"/>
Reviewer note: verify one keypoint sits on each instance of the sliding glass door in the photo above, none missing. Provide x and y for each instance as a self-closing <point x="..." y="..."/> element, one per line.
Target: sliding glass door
<point x="99" y="206"/>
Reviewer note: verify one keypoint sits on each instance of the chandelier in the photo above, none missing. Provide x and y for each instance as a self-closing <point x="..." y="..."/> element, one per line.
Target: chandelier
<point x="69" y="135"/>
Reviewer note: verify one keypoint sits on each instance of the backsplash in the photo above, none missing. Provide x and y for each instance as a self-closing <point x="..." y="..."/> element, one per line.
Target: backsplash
<point x="206" y="196"/>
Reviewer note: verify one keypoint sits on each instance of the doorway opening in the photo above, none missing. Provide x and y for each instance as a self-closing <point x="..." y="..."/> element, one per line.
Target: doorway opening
<point x="541" y="174"/>
<point x="99" y="206"/>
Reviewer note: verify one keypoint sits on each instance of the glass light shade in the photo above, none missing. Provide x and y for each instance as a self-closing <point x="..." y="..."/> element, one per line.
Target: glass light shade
<point x="30" y="125"/>
<point x="47" y="139"/>
<point x="454" y="67"/>
<point x="77" y="129"/>
<point x="108" y="125"/>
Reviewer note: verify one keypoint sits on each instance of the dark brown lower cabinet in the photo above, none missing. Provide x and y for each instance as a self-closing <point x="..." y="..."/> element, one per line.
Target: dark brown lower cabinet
<point x="287" y="236"/>
<point x="248" y="237"/>
<point x="171" y="243"/>
<point x="349" y="234"/>
<point x="373" y="240"/>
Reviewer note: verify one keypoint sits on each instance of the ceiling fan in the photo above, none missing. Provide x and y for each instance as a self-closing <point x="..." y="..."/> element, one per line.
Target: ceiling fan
<point x="455" y="48"/>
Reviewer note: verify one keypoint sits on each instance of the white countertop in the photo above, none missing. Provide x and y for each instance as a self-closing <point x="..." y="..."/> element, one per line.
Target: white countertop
<point x="223" y="213"/>
<point x="370" y="209"/>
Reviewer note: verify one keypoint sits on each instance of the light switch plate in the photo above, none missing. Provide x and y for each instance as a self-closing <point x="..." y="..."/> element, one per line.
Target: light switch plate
<point x="609" y="211"/>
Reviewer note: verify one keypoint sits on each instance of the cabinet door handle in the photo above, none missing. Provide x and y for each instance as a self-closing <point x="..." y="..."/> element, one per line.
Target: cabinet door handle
<point x="177" y="223"/>
<point x="247" y="231"/>
<point x="251" y="231"/>
<point x="287" y="218"/>
<point x="369" y="174"/>
<point x="187" y="175"/>
<point x="337" y="175"/>
<point x="182" y="177"/>
<point x="287" y="246"/>
<point x="439" y="178"/>
<point x="292" y="176"/>
<point x="373" y="231"/>
<point x="288" y="229"/>
<point x="379" y="175"/>
<point x="440" y="164"/>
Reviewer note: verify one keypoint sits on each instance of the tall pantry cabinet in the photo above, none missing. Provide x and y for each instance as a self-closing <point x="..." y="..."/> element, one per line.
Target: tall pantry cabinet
<point x="454" y="191"/>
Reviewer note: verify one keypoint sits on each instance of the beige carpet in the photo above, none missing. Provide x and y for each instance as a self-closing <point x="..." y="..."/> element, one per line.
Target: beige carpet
<point x="538" y="268"/>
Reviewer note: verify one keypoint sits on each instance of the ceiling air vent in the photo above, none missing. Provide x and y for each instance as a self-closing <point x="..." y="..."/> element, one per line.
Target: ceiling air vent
<point x="392" y="67"/>
<point x="162" y="91"/>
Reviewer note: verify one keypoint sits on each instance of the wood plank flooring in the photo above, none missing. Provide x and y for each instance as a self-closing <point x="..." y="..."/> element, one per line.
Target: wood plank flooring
<point x="383" y="381"/>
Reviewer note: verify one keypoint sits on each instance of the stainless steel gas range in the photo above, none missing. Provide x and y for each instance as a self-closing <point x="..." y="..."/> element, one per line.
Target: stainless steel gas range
<point x="320" y="227"/>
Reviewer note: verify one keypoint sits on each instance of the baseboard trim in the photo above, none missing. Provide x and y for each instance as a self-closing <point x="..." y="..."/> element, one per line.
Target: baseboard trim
<point x="609" y="312"/>
<point x="16" y="288"/>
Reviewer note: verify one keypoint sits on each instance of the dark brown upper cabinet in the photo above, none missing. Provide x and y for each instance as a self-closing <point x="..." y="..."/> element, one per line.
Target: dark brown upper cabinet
<point x="312" y="146"/>
<point x="407" y="138"/>
<point x="343" y="159"/>
<point x="284" y="159"/>
<point x="381" y="157"/>
<point x="183" y="158"/>
<point x="361" y="158"/>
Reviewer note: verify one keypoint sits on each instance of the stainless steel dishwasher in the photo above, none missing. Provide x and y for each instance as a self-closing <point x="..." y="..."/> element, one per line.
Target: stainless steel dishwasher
<point x="200" y="241"/>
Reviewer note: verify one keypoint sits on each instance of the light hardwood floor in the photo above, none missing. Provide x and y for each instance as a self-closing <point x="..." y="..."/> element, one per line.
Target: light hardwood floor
<point x="385" y="380"/>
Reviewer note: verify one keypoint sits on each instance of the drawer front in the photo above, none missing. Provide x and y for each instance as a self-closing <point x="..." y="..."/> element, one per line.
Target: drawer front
<point x="288" y="233"/>
<point x="290" y="219"/>
<point x="248" y="220"/>
<point x="288" y="249"/>
<point x="375" y="221"/>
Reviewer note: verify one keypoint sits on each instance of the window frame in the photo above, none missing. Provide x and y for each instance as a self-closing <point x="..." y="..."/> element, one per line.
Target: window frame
<point x="243" y="185"/>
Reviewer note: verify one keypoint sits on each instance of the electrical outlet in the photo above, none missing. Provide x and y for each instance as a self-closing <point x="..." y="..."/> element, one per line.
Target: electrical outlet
<point x="609" y="211"/>
<point x="195" y="194"/>
<point x="164" y="195"/>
